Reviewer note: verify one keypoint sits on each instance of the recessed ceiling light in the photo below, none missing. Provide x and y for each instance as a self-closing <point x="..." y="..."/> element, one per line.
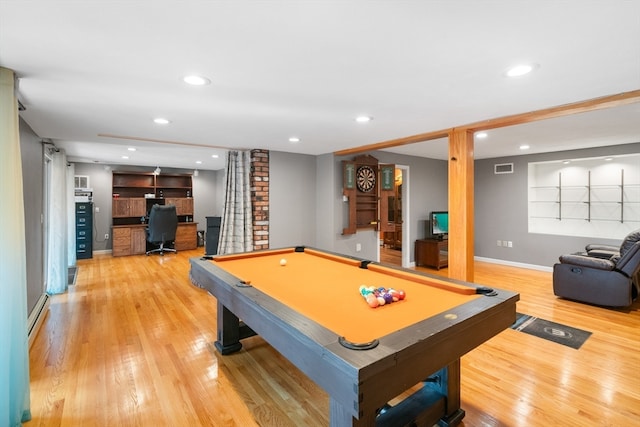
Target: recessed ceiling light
<point x="520" y="70"/>
<point x="125" y="157"/>
<point x="131" y="148"/>
<point x="566" y="162"/>
<point x="608" y="159"/>
<point x="481" y="135"/>
<point x="196" y="80"/>
<point x="215" y="156"/>
<point x="363" y="119"/>
<point x="524" y="147"/>
<point x="198" y="162"/>
<point x="161" y="121"/>
<point x="294" y="139"/>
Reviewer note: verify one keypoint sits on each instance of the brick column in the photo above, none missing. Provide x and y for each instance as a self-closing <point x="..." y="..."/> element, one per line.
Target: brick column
<point x="259" y="177"/>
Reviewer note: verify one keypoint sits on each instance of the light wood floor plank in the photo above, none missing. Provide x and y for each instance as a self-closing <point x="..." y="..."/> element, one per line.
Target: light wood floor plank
<point x="131" y="345"/>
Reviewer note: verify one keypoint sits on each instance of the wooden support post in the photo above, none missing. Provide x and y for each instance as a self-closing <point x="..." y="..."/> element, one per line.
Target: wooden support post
<point x="461" y="186"/>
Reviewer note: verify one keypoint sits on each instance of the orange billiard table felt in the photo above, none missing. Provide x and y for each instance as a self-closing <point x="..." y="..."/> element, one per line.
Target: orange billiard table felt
<point x="325" y="288"/>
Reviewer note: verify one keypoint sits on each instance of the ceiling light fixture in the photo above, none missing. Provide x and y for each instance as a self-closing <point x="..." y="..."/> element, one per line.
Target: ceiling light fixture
<point x="131" y="149"/>
<point x="161" y="121"/>
<point x="125" y="157"/>
<point x="294" y="139"/>
<point x="196" y="80"/>
<point x="481" y="135"/>
<point x="608" y="159"/>
<point x="566" y="162"/>
<point x="520" y="70"/>
<point x="198" y="162"/>
<point x="363" y="119"/>
<point x="215" y="156"/>
<point x="524" y="147"/>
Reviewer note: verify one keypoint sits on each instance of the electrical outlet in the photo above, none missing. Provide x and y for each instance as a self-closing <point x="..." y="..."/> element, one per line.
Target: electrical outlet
<point x="499" y="243"/>
<point x="358" y="247"/>
<point x="106" y="236"/>
<point x="97" y="209"/>
<point x="510" y="244"/>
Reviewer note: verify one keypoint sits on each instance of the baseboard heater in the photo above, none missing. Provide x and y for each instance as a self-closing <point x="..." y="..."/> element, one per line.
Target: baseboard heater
<point x="36" y="317"/>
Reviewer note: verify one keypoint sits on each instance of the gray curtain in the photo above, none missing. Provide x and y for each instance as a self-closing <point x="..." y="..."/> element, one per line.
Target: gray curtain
<point x="236" y="231"/>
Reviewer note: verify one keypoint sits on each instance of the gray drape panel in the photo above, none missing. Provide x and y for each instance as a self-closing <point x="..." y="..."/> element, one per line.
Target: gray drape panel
<point x="236" y="231"/>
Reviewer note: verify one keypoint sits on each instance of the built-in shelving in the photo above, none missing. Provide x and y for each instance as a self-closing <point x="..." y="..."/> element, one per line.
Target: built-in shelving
<point x="134" y="193"/>
<point x="588" y="202"/>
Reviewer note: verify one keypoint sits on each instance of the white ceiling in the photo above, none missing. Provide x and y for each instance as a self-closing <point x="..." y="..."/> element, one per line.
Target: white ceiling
<point x="307" y="68"/>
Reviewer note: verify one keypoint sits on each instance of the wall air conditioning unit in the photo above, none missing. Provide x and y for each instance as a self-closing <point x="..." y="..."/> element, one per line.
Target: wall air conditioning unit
<point x="81" y="182"/>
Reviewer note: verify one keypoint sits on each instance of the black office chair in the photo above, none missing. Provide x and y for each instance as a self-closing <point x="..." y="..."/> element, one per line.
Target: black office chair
<point x="163" y="223"/>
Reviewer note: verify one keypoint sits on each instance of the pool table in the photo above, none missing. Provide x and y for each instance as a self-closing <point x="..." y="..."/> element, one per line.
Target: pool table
<point x="307" y="304"/>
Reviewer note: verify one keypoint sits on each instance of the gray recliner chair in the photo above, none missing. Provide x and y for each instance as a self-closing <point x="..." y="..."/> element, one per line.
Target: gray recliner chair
<point x="595" y="279"/>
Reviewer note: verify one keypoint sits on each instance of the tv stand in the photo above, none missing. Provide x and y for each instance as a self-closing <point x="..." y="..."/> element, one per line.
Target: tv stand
<point x="432" y="253"/>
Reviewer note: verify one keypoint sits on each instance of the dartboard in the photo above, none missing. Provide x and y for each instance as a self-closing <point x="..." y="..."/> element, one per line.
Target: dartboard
<point x="365" y="178"/>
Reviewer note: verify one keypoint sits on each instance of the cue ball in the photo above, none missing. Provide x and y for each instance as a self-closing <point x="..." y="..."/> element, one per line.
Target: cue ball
<point x="283" y="262"/>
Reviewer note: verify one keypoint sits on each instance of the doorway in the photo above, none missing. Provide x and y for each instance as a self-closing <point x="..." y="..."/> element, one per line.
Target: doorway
<point x="394" y="245"/>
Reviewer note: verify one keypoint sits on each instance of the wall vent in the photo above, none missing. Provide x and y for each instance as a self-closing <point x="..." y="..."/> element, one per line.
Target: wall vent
<point x="501" y="168"/>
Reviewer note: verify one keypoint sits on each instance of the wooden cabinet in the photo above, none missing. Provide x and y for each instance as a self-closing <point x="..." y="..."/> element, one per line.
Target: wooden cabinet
<point x="186" y="236"/>
<point x="432" y="253"/>
<point x="132" y="239"/>
<point x="184" y="206"/>
<point x="138" y="240"/>
<point x="121" y="241"/>
<point x="129" y="207"/>
<point x="129" y="240"/>
<point x="133" y="195"/>
<point x="120" y="207"/>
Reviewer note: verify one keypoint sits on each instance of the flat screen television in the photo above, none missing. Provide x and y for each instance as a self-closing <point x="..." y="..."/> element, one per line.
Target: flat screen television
<point x="439" y="221"/>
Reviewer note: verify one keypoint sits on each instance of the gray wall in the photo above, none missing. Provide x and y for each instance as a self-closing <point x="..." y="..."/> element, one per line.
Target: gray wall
<point x="207" y="194"/>
<point x="32" y="181"/>
<point x="292" y="199"/>
<point x="501" y="210"/>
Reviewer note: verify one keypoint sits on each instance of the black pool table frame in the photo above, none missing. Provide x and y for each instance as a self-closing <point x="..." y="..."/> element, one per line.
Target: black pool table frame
<point x="360" y="383"/>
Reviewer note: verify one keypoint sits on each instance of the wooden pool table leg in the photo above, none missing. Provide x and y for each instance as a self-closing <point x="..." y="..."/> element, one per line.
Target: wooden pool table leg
<point x="450" y="387"/>
<point x="230" y="331"/>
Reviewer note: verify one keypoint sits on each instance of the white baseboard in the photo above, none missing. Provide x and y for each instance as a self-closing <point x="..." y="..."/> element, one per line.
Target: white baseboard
<point x="37" y="316"/>
<point x="515" y="264"/>
<point x="503" y="262"/>
<point x="102" y="252"/>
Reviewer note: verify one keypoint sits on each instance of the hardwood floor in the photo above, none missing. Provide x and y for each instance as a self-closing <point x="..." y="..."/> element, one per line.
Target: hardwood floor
<point x="131" y="345"/>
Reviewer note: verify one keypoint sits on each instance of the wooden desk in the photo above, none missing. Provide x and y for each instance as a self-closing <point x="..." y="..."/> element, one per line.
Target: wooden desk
<point x="432" y="253"/>
<point x="131" y="239"/>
